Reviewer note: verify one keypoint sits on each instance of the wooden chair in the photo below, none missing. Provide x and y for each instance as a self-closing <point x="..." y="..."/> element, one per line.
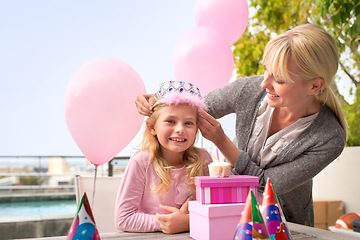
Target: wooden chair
<point x="103" y="206"/>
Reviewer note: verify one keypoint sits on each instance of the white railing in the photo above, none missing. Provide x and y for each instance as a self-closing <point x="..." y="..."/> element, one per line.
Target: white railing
<point x="23" y="176"/>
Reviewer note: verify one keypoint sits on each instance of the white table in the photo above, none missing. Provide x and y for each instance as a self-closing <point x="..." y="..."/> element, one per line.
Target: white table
<point x="298" y="232"/>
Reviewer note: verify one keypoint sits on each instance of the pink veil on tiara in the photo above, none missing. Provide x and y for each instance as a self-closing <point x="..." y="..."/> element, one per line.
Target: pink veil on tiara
<point x="179" y="92"/>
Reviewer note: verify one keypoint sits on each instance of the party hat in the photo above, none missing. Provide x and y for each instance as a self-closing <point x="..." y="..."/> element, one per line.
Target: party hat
<point x="251" y="224"/>
<point x="273" y="215"/>
<point x="83" y="226"/>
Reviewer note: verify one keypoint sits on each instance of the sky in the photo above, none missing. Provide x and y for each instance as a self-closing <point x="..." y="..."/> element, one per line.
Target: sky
<point x="43" y="43"/>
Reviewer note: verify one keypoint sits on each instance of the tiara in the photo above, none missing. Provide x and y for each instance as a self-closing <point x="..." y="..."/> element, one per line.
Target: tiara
<point x="177" y="92"/>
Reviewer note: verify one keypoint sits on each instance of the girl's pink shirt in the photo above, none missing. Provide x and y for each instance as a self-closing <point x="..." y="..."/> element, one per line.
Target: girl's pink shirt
<point x="136" y="204"/>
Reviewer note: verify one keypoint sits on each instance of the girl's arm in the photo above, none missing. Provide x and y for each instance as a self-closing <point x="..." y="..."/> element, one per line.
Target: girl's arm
<point x="131" y="190"/>
<point x="178" y="219"/>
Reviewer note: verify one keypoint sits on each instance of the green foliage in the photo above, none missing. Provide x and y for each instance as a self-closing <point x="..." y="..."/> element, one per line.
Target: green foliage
<point x="341" y="18"/>
<point x="352" y="115"/>
<point x="30" y="180"/>
<point x="248" y="54"/>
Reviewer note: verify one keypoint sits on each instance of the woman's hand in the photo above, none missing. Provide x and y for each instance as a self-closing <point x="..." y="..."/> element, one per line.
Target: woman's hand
<point x="178" y="219"/>
<point x="144" y="103"/>
<point x="211" y="129"/>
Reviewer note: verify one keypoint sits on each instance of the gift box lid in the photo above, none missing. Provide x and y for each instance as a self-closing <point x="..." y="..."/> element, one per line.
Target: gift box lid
<point x="231" y="181"/>
<point x="216" y="210"/>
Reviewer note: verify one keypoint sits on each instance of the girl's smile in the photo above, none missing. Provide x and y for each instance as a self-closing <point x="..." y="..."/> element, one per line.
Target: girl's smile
<point x="178" y="139"/>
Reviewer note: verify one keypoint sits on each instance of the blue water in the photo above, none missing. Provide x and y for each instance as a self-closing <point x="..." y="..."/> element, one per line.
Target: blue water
<point x="38" y="208"/>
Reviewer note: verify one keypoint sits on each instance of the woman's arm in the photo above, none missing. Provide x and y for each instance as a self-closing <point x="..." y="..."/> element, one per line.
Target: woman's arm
<point x="294" y="165"/>
<point x="128" y="202"/>
<point x="240" y="97"/>
<point x="228" y="99"/>
<point x="221" y="101"/>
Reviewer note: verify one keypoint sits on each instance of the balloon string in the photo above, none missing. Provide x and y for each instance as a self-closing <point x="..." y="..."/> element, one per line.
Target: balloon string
<point x="93" y="195"/>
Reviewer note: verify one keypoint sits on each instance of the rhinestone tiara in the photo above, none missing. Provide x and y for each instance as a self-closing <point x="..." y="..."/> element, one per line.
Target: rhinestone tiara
<point x="177" y="92"/>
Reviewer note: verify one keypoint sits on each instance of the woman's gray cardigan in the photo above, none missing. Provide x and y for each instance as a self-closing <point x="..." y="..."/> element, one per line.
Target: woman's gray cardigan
<point x="291" y="172"/>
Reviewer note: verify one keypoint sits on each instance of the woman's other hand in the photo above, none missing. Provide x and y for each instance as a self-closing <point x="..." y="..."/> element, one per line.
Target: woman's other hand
<point x="144" y="103"/>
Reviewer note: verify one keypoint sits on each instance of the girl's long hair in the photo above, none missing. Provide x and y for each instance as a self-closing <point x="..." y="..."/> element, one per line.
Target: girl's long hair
<point x="315" y="55"/>
<point x="191" y="158"/>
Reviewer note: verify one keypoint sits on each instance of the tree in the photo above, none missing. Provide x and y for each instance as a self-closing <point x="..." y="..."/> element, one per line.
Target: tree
<point x="341" y="18"/>
<point x="30" y="180"/>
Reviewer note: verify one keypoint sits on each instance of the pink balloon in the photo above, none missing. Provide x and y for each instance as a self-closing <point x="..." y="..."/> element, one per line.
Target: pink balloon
<point x="99" y="108"/>
<point x="229" y="17"/>
<point x="203" y="57"/>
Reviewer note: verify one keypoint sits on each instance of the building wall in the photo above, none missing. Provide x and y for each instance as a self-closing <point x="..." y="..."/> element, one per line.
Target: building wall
<point x="341" y="180"/>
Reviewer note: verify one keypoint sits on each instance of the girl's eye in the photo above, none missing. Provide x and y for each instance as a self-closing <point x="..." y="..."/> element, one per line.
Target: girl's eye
<point x="189" y="123"/>
<point x="170" y="121"/>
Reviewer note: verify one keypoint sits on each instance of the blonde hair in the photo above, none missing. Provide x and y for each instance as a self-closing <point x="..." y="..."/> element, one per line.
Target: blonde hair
<point x="191" y="158"/>
<point x="314" y="53"/>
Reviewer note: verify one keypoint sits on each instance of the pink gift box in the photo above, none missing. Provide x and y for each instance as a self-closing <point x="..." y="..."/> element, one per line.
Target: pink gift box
<point x="232" y="189"/>
<point x="214" y="221"/>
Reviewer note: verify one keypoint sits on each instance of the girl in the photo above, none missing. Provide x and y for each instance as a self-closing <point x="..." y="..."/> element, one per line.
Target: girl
<point x="159" y="180"/>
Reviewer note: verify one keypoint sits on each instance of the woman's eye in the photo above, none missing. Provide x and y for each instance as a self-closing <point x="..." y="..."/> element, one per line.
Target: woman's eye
<point x="279" y="81"/>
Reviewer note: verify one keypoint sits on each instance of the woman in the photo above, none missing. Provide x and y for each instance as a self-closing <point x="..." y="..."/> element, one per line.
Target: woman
<point x="289" y="124"/>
